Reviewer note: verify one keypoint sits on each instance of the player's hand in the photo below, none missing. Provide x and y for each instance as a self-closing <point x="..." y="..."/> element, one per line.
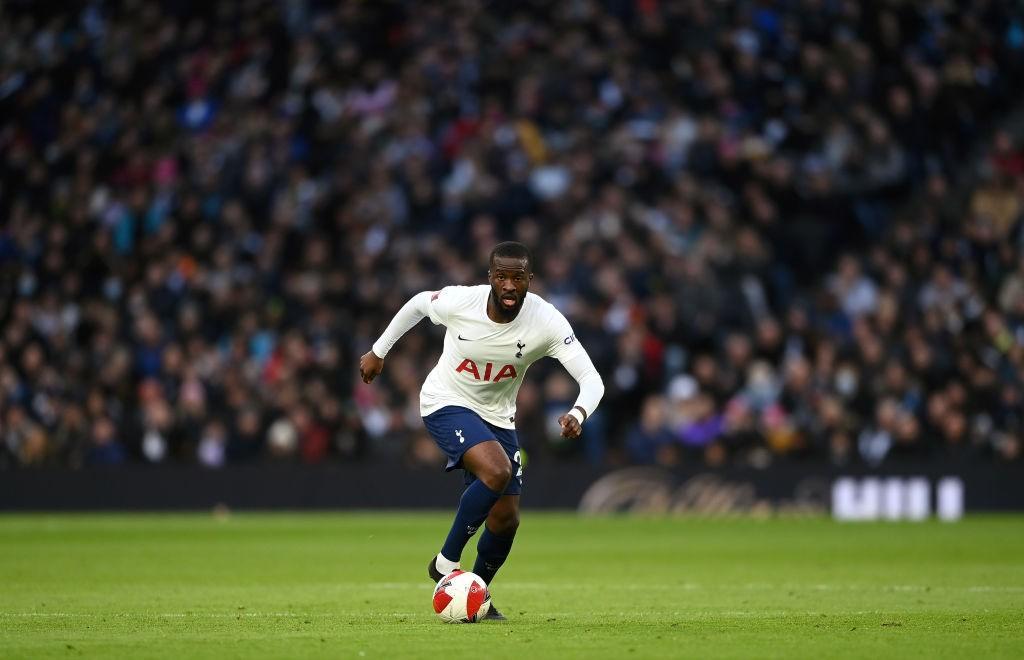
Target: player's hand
<point x="370" y="366"/>
<point x="571" y="427"/>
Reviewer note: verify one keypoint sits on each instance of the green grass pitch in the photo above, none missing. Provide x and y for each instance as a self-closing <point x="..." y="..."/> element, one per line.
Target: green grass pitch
<point x="354" y="586"/>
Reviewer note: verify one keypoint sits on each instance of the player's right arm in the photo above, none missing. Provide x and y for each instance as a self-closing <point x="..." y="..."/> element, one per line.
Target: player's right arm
<point x="425" y="303"/>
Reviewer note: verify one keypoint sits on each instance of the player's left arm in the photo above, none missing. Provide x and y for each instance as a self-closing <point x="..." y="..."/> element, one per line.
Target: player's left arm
<point x="591" y="390"/>
<point x="564" y="346"/>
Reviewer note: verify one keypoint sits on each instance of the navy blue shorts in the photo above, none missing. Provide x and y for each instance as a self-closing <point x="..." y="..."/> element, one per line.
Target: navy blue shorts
<point x="456" y="429"/>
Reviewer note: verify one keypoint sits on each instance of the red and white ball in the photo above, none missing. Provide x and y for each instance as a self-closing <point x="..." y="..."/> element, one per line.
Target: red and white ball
<point x="461" y="597"/>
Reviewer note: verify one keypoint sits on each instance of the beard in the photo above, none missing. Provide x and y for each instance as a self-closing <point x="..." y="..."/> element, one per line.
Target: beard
<point x="506" y="310"/>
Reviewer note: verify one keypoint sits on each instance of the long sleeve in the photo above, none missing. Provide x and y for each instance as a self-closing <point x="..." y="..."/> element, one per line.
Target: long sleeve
<point x="408" y="316"/>
<point x="582" y="369"/>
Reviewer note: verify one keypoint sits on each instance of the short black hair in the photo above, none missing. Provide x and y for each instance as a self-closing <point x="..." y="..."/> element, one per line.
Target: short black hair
<point x="514" y="250"/>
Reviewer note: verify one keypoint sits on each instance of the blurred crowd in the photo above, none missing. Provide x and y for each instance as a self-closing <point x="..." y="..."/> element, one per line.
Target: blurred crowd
<point x="768" y="222"/>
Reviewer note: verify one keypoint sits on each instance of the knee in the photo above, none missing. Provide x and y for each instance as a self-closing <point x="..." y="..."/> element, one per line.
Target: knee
<point x="496" y="476"/>
<point x="506" y="523"/>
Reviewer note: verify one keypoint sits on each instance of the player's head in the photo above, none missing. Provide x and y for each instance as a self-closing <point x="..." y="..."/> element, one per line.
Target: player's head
<point x="510" y="271"/>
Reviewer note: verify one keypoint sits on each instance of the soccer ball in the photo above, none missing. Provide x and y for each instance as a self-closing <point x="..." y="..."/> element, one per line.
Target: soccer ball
<point x="461" y="597"/>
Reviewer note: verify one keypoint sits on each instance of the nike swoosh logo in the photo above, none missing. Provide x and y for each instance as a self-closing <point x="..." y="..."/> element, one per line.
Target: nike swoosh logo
<point x="464" y="339"/>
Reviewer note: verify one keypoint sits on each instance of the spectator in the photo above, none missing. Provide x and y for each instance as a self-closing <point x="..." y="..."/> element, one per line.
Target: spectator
<point x="207" y="214"/>
<point x="649" y="441"/>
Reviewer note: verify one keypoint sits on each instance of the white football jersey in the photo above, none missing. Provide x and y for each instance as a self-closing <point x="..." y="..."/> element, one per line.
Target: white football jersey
<point x="483" y="362"/>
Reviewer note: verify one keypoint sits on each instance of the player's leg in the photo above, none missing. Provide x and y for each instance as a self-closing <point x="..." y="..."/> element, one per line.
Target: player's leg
<point x="502" y="522"/>
<point x="488" y="462"/>
<point x="496" y="539"/>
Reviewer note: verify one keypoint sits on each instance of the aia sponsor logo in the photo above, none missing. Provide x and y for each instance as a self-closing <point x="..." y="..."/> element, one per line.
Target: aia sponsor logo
<point x="471" y="369"/>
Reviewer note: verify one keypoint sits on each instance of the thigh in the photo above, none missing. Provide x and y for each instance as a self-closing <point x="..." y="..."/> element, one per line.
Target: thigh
<point x="455" y="430"/>
<point x="485" y="457"/>
<point x="510" y="445"/>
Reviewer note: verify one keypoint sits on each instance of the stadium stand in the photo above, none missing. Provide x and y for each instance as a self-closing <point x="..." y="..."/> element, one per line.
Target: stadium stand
<point x="786" y="231"/>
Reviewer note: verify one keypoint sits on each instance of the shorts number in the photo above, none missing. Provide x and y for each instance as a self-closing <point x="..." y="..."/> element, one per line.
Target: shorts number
<point x="518" y="459"/>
